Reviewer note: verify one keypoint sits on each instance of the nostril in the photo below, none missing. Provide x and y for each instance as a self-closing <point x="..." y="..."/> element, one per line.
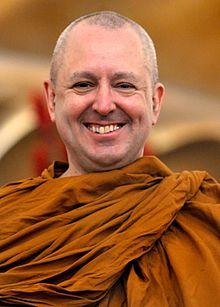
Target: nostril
<point x="104" y="107"/>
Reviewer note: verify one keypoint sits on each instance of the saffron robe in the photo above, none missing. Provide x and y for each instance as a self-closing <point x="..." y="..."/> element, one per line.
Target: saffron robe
<point x="137" y="236"/>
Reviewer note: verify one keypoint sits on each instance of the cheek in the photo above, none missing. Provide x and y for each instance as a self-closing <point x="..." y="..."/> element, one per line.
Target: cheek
<point x="138" y="110"/>
<point x="67" y="110"/>
<point x="76" y="105"/>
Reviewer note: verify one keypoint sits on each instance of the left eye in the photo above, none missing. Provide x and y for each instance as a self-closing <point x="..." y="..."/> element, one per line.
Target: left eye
<point x="125" y="87"/>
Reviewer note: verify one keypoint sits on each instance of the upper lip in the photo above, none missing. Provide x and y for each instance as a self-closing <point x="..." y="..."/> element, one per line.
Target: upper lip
<point x="104" y="123"/>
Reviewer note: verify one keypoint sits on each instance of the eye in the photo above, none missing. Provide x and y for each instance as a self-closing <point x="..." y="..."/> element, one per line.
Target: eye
<point x="83" y="86"/>
<point x="125" y="87"/>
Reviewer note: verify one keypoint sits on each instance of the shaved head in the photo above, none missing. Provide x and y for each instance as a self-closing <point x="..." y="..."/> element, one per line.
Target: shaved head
<point x="111" y="21"/>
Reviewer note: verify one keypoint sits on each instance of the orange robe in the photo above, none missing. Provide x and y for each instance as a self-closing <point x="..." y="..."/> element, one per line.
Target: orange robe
<point x="138" y="236"/>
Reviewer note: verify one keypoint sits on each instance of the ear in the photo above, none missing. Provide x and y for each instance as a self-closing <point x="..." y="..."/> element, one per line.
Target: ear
<point x="50" y="98"/>
<point x="158" y="95"/>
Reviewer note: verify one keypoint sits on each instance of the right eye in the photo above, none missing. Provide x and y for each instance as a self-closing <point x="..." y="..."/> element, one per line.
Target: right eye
<point x="83" y="86"/>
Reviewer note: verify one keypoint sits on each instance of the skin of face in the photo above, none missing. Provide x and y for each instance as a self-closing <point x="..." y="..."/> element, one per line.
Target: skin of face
<point x="103" y="82"/>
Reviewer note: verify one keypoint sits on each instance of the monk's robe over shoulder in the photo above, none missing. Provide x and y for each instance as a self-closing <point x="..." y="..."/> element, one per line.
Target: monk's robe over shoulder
<point x="137" y="236"/>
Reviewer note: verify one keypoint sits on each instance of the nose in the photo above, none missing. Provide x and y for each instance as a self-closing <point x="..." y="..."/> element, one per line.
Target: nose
<point x="103" y="101"/>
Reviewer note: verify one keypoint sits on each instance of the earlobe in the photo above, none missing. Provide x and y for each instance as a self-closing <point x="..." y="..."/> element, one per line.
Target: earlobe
<point x="50" y="98"/>
<point x="157" y="100"/>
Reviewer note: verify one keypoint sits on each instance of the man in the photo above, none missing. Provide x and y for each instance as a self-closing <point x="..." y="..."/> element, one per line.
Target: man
<point x="110" y="228"/>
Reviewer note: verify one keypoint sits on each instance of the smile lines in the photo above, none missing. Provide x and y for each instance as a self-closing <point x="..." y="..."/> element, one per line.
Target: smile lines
<point x="103" y="129"/>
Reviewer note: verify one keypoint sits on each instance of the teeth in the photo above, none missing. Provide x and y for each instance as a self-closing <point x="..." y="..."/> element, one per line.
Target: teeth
<point x="107" y="129"/>
<point x="103" y="129"/>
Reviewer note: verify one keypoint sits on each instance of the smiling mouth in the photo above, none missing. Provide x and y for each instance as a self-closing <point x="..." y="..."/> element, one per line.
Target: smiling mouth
<point x="103" y="129"/>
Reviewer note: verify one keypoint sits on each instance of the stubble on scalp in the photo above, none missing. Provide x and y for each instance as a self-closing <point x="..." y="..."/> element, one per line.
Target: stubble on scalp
<point x="111" y="21"/>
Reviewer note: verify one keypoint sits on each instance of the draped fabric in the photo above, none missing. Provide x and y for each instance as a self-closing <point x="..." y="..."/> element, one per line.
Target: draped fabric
<point x="137" y="236"/>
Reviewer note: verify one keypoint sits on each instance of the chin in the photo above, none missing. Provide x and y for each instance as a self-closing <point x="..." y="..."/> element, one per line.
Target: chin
<point x="106" y="163"/>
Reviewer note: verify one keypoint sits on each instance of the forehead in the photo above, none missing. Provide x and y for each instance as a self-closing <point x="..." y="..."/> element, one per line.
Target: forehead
<point x="100" y="41"/>
<point x="103" y="51"/>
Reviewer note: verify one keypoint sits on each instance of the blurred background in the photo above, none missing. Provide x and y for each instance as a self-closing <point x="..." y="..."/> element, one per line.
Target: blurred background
<point x="187" y="38"/>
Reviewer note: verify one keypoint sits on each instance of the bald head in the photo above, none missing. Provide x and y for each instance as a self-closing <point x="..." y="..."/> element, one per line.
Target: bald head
<point x="111" y="21"/>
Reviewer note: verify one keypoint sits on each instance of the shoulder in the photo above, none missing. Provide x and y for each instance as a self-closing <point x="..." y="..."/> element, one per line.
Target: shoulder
<point x="197" y="224"/>
<point x="17" y="188"/>
<point x="20" y="186"/>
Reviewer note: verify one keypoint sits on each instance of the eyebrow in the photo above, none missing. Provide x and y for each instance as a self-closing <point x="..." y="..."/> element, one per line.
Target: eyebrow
<point x="126" y="75"/>
<point x="116" y="76"/>
<point x="82" y="74"/>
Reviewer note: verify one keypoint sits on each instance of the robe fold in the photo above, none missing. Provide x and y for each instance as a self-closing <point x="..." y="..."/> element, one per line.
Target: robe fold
<point x="136" y="236"/>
